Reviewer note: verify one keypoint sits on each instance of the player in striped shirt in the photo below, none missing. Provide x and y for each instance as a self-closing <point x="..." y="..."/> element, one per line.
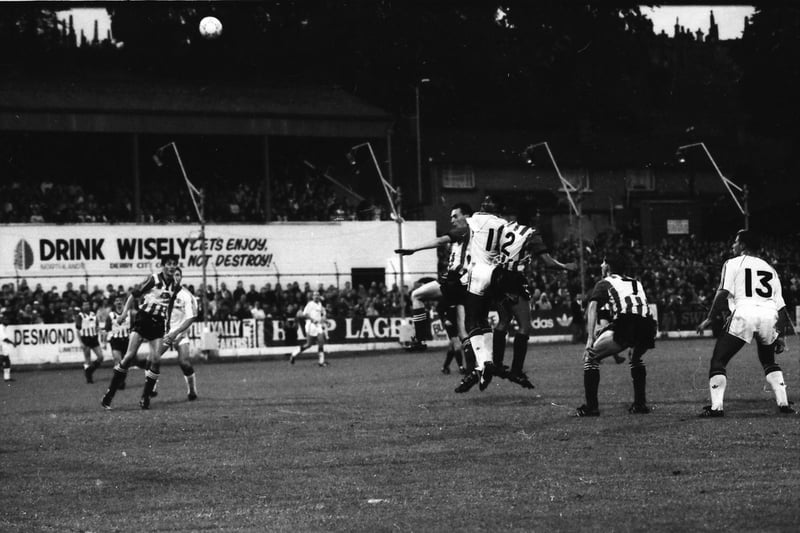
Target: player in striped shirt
<point x="89" y="335"/>
<point x="156" y="293"/>
<point x="753" y="289"/>
<point x="631" y="326"/>
<point x="448" y="289"/>
<point x="520" y="243"/>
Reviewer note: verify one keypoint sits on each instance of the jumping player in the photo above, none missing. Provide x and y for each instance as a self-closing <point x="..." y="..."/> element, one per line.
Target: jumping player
<point x="759" y="312"/>
<point x="88" y="333"/>
<point x="631" y="326"/>
<point x="157" y="292"/>
<point x="513" y="298"/>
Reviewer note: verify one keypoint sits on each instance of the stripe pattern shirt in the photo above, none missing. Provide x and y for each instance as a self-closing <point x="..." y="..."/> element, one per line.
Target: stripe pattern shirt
<point x="118" y="331"/>
<point x="517" y="246"/>
<point x="157" y="294"/>
<point x="624" y="295"/>
<point x="87" y="324"/>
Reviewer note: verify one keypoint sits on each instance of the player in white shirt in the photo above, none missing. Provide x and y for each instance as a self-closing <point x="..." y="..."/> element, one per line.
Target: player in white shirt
<point x="182" y="313"/>
<point x="752" y="288"/>
<point x="316" y="324"/>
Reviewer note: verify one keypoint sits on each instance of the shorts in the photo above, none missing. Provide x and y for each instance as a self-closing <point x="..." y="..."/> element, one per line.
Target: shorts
<point x="478" y="278"/>
<point x="453" y="291"/>
<point x="119" y="344"/>
<point x="150" y="327"/>
<point x="510" y="282"/>
<point x="449" y="317"/>
<point x="313" y="330"/>
<point x="180" y="340"/>
<point x="759" y="322"/>
<point x="90" y="342"/>
<point x="634" y="331"/>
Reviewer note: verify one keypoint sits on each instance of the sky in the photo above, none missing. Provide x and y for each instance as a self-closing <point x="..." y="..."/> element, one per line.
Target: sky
<point x="730" y="19"/>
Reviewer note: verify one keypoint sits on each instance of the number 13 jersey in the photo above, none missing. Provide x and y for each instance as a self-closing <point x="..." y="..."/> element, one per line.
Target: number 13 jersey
<point x="751" y="281"/>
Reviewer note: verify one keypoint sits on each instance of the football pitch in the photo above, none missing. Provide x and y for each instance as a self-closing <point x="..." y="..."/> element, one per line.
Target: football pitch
<point x="380" y="442"/>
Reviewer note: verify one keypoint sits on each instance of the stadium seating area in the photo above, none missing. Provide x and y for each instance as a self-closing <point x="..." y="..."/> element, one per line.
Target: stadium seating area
<point x="678" y="275"/>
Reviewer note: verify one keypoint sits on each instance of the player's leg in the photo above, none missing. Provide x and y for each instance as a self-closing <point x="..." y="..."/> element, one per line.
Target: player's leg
<point x="320" y="342"/>
<point x="157" y="349"/>
<point x="522" y="313"/>
<point x="87" y="362"/>
<point x="311" y="334"/>
<point x="500" y="332"/>
<point x="121" y="369"/>
<point x="639" y="378"/>
<point x="184" y="361"/>
<point x="419" y="315"/>
<point x="99" y="357"/>
<point x="591" y="385"/>
<point x="774" y="376"/>
<point x="6" y="361"/>
<point x="605" y="346"/>
<point x="725" y="348"/>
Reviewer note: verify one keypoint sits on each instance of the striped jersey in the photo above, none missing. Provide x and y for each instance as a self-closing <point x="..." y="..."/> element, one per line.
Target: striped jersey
<point x="458" y="261"/>
<point x="157" y="293"/>
<point x="751" y="281"/>
<point x="517" y="245"/>
<point x="485" y="232"/>
<point x="184" y="306"/>
<point x="118" y="331"/>
<point x="87" y="324"/>
<point x="625" y="296"/>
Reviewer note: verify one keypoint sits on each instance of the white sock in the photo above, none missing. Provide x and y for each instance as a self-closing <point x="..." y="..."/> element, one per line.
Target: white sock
<point x="716" y="385"/>
<point x="7" y="374"/>
<point x="191" y="384"/>
<point x="775" y="380"/>
<point x="321" y="357"/>
<point x="482" y="355"/>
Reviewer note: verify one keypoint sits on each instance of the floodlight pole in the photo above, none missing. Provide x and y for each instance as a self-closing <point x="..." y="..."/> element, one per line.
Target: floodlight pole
<point x="743" y="206"/>
<point x="576" y="207"/>
<point x="419" y="138"/>
<point x="389" y="190"/>
<point x="200" y="211"/>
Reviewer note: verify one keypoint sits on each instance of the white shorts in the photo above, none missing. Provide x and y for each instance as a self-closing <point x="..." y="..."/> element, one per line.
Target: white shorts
<point x="478" y="278"/>
<point x="180" y="340"/>
<point x="759" y="322"/>
<point x="312" y="329"/>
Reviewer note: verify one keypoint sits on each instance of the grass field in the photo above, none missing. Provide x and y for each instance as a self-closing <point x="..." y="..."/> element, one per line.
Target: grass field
<point x="382" y="443"/>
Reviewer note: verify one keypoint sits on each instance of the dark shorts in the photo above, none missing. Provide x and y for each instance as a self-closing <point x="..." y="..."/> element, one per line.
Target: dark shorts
<point x="634" y="331"/>
<point x="119" y="344"/>
<point x="453" y="291"/>
<point x="449" y="317"/>
<point x="90" y="342"/>
<point x="150" y="327"/>
<point x="509" y="282"/>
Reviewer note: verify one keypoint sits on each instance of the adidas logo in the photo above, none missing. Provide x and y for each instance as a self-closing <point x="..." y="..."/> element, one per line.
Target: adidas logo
<point x="564" y="320"/>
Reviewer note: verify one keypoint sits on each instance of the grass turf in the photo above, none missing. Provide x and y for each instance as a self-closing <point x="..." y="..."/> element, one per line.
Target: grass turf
<point x="382" y="443"/>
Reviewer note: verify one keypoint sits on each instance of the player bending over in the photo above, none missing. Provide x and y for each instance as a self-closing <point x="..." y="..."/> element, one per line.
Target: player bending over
<point x="631" y="326"/>
<point x="759" y="312"/>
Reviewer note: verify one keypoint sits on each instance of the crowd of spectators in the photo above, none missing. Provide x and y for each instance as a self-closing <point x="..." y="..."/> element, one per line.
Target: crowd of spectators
<point x="677" y="275"/>
<point x="309" y="197"/>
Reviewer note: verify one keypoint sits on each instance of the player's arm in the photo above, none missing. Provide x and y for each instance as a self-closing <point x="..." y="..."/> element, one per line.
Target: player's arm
<point x="719" y="305"/>
<point x="552" y="262"/>
<point x="78" y="322"/>
<point x="435" y="243"/>
<point x="537" y="247"/>
<point x="137" y="291"/>
<point x="591" y="322"/>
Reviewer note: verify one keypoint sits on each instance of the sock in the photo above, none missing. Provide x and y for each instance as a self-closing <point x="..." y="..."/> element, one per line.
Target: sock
<point x="116" y="380"/>
<point x="321" y="357"/>
<point x="97" y="364"/>
<point x="191" y="383"/>
<point x="775" y="380"/>
<point x="422" y="324"/>
<point x="499" y="346"/>
<point x="7" y="373"/>
<point x="459" y="359"/>
<point x="591" y="384"/>
<point x="520" y="351"/>
<point x="639" y="376"/>
<point x="469" y="355"/>
<point x="482" y="355"/>
<point x="716" y="385"/>
<point x="451" y="353"/>
<point x="86" y="365"/>
<point x="151" y="378"/>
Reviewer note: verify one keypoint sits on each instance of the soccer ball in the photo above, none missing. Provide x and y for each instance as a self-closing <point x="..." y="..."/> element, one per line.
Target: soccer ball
<point x="210" y="27"/>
